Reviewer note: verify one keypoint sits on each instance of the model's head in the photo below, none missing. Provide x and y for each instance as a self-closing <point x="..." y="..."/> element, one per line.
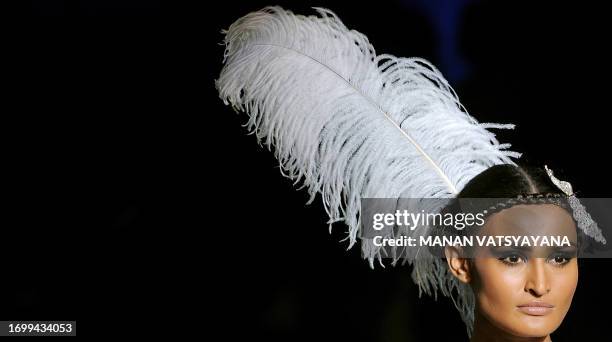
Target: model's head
<point x="519" y="291"/>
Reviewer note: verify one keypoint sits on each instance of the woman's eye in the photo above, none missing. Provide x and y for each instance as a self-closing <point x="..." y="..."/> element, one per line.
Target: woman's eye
<point x="559" y="260"/>
<point x="512" y="259"/>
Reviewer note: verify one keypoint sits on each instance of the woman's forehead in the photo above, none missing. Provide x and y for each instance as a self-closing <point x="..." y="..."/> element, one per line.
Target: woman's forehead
<point x="541" y="219"/>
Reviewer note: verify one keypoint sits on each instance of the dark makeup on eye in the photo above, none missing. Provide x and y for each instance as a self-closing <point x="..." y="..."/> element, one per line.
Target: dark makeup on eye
<point x="514" y="255"/>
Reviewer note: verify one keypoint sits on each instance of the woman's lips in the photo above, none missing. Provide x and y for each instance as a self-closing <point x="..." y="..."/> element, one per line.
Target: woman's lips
<point x="536" y="308"/>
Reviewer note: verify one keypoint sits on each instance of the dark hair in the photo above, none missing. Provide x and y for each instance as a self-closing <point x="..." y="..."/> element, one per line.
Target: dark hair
<point x="503" y="186"/>
<point x="509" y="181"/>
<point x="508" y="185"/>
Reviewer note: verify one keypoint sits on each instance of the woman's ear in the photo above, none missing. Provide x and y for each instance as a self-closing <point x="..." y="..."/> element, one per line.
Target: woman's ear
<point x="458" y="265"/>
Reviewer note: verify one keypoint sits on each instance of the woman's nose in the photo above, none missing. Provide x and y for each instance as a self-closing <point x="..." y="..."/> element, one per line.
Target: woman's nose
<point x="537" y="282"/>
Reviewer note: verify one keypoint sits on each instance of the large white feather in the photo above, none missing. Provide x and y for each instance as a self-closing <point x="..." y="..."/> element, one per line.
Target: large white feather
<point x="351" y="124"/>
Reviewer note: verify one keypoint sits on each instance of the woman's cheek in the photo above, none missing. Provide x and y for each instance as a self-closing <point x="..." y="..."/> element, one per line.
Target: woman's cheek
<point x="566" y="281"/>
<point x="500" y="290"/>
<point x="502" y="283"/>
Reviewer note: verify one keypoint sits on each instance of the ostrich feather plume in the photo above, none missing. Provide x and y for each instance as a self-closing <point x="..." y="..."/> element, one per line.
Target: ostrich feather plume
<point x="349" y="124"/>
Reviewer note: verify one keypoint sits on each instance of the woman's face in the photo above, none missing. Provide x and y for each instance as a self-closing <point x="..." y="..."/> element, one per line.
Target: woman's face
<point x="526" y="292"/>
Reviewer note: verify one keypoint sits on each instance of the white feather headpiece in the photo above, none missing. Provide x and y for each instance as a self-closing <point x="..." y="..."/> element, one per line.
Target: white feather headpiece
<point x="351" y="124"/>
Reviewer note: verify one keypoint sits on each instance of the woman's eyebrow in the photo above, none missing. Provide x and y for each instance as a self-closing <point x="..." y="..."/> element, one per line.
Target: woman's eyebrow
<point x="510" y="248"/>
<point x="571" y="248"/>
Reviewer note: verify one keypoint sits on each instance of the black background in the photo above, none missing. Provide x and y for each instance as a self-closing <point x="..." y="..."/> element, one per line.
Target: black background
<point x="136" y="203"/>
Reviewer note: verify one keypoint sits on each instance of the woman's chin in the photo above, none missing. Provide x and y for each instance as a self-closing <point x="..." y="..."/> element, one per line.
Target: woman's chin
<point x="522" y="325"/>
<point x="534" y="326"/>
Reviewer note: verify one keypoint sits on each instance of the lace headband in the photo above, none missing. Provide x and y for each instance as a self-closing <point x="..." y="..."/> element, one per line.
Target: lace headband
<point x="582" y="217"/>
